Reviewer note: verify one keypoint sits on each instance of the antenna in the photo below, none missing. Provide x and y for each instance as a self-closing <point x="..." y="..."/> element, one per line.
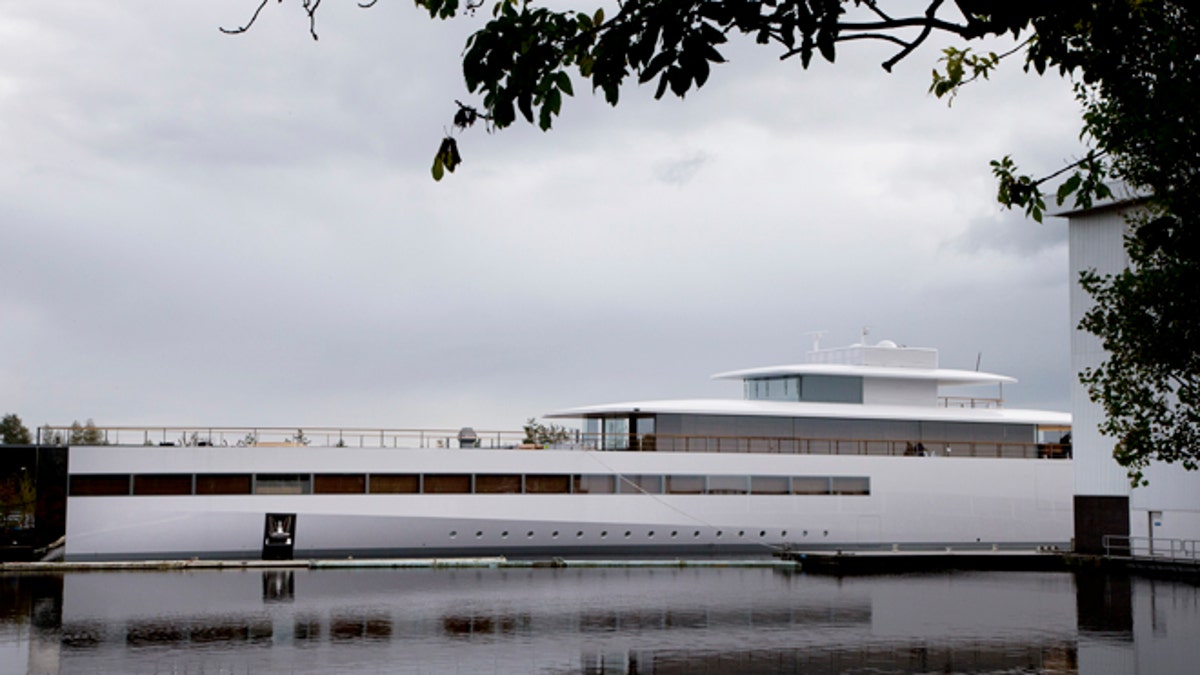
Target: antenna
<point x="866" y="330"/>
<point x="978" y="358"/>
<point x="816" y="336"/>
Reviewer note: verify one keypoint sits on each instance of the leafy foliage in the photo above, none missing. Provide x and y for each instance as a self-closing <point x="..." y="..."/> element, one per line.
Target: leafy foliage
<point x="85" y="434"/>
<point x="13" y="431"/>
<point x="542" y="435"/>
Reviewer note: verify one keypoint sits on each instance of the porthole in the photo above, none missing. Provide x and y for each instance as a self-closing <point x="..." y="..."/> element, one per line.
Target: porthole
<point x="627" y="533"/>
<point x="762" y="533"/>
<point x="805" y="533"/>
<point x="579" y="534"/>
<point x="453" y="533"/>
<point x="825" y="533"/>
<point x="529" y="533"/>
<point x="783" y="534"/>
<point x="603" y="534"/>
<point x="741" y="533"/>
<point x="504" y="534"/>
<point x="650" y="533"/>
<point x="718" y="533"/>
<point x="696" y="533"/>
<point x="674" y="533"/>
<point x="478" y="534"/>
<point x="554" y="534"/>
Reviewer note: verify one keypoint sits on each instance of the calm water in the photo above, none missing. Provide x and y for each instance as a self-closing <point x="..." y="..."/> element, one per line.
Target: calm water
<point x="594" y="621"/>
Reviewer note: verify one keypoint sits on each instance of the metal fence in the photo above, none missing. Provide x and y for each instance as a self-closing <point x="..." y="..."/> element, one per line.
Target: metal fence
<point x="1159" y="548"/>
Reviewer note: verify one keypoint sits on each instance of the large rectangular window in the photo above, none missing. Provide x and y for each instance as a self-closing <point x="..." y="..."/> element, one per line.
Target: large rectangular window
<point x="769" y="485"/>
<point x="223" y="484"/>
<point x="851" y="485"/>
<point x="535" y="484"/>
<point x="595" y="484"/>
<point x="641" y="484"/>
<point x="162" y="484"/>
<point x="685" y="485"/>
<point x="492" y="484"/>
<point x="395" y="483"/>
<point x="728" y="485"/>
<point x="447" y="483"/>
<point x="282" y="484"/>
<point x="810" y="485"/>
<point x="339" y="483"/>
<point x="99" y="485"/>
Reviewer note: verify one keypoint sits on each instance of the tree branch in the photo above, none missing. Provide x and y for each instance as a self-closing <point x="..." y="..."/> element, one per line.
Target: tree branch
<point x="243" y="29"/>
<point x="929" y="12"/>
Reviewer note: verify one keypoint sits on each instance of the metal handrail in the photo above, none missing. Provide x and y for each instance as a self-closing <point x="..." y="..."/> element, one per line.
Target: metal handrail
<point x="447" y="438"/>
<point x="358" y="437"/>
<point x="1158" y="548"/>
<point x="823" y="446"/>
<point x="970" y="402"/>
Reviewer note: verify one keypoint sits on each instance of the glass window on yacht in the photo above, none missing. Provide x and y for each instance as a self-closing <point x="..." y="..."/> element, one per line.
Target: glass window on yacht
<point x="630" y="484"/>
<point x="535" y="484"/>
<point x="395" y="483"/>
<point x="99" y="485"/>
<point x="282" y="484"/>
<point x="447" y="483"/>
<point x="340" y="483"/>
<point x="494" y="484"/>
<point x="831" y="389"/>
<point x="685" y="485"/>
<point x="223" y="484"/>
<point x="851" y="485"/>
<point x="162" y="484"/>
<point x="616" y="433"/>
<point x="728" y="485"/>
<point x="595" y="484"/>
<point x="810" y="485"/>
<point x="769" y="485"/>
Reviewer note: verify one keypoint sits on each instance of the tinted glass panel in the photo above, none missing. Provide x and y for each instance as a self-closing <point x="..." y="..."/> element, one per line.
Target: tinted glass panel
<point x="547" y="484"/>
<point x="595" y="484"/>
<point x="162" y="484"/>
<point x="440" y="483"/>
<point x="639" y="484"/>
<point x="339" y="483"/>
<point x="727" y="485"/>
<point x="99" y="485"/>
<point x="282" y="484"/>
<point x="488" y="484"/>
<point x="395" y="483"/>
<point x="769" y="485"/>
<point x="685" y="485"/>
<point x="223" y="484"/>
<point x="851" y="485"/>
<point x="810" y="485"/>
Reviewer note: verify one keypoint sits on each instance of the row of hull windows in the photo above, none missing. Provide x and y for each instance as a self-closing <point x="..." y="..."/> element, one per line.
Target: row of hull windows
<point x="95" y="485"/>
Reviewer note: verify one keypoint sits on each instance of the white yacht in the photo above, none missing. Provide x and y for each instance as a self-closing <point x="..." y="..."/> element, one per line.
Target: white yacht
<point x="853" y="449"/>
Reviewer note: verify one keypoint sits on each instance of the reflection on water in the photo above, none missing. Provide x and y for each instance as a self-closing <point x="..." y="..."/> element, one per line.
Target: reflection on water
<point x="594" y="621"/>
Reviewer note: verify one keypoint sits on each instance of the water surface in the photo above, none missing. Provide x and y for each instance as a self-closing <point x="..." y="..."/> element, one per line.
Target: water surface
<point x="634" y="620"/>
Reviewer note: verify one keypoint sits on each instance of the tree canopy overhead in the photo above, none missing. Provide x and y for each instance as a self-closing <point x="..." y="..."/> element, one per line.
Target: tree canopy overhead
<point x="1135" y="65"/>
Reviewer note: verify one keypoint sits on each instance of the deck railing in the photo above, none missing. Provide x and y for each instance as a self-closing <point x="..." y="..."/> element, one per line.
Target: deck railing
<point x="349" y="437"/>
<point x="825" y="446"/>
<point x="1159" y="548"/>
<point x="450" y="438"/>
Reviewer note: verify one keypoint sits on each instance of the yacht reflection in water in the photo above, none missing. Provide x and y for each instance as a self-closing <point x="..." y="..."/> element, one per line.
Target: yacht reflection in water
<point x="595" y="620"/>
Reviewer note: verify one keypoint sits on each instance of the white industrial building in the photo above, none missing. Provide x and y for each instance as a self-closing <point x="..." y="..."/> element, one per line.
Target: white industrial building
<point x="1105" y="504"/>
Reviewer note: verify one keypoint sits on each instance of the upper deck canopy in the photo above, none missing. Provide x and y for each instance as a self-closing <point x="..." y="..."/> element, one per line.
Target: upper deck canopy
<point x="942" y="376"/>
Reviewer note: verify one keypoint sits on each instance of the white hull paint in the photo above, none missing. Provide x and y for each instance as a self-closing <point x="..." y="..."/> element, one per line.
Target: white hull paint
<point x="914" y="502"/>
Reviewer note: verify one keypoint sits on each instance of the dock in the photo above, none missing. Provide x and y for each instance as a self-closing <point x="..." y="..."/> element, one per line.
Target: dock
<point x="868" y="562"/>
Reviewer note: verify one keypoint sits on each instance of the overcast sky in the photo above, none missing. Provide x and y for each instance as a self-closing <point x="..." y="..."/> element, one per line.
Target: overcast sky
<point x="204" y="229"/>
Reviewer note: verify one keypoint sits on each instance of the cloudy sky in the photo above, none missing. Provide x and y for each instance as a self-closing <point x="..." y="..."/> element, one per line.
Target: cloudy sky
<point x="203" y="229"/>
